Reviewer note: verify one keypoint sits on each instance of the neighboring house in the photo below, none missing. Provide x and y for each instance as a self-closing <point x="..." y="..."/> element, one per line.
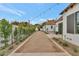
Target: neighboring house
<point x="49" y="26"/>
<point x="71" y="23"/>
<point x="59" y="25"/>
<point x="36" y="29"/>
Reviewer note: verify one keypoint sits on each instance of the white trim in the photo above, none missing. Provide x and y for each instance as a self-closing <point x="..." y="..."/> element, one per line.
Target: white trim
<point x="74" y="22"/>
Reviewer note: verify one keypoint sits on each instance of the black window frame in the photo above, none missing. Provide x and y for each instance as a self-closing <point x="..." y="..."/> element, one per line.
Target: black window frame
<point x="76" y="30"/>
<point x="70" y="23"/>
<point x="60" y="28"/>
<point x="51" y="26"/>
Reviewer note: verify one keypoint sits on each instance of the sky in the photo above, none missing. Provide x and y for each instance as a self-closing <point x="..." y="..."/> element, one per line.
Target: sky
<point x="35" y="12"/>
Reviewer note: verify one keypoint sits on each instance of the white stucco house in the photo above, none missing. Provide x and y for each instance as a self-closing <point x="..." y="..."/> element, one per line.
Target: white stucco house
<point x="36" y="29"/>
<point x="49" y="26"/>
<point x="59" y="25"/>
<point x="71" y="23"/>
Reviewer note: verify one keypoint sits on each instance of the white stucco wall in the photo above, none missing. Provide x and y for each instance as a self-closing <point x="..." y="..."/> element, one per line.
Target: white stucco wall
<point x="67" y="36"/>
<point x="73" y="38"/>
<point x="45" y="27"/>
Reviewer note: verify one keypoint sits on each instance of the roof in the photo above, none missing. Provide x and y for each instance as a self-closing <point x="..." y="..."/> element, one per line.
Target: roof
<point x="60" y="19"/>
<point x="51" y="22"/>
<point x="68" y="7"/>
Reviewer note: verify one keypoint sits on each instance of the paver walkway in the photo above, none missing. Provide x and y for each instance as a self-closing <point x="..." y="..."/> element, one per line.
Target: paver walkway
<point x="39" y="44"/>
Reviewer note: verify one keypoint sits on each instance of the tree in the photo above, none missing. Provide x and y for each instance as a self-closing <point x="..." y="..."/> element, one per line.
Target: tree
<point x="16" y="35"/>
<point x="15" y="23"/>
<point x="6" y="30"/>
<point x="22" y="31"/>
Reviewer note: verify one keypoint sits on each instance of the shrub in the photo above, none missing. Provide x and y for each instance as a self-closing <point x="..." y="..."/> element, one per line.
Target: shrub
<point x="11" y="47"/>
<point x="21" y="40"/>
<point x="45" y="32"/>
<point x="60" y="42"/>
<point x="55" y="38"/>
<point x="6" y="30"/>
<point x="76" y="50"/>
<point x="3" y="47"/>
<point x="56" y="33"/>
<point x="2" y="53"/>
<point x="65" y="44"/>
<point x="5" y="42"/>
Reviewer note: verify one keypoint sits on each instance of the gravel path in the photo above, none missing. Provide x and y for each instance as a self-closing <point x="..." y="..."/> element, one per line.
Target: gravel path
<point x="37" y="44"/>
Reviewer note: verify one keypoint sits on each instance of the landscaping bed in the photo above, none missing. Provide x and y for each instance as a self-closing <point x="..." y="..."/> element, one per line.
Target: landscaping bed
<point x="4" y="51"/>
<point x="7" y="50"/>
<point x="71" y="48"/>
<point x="13" y="34"/>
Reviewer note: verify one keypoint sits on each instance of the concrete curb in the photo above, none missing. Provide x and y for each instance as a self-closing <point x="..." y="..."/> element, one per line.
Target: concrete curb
<point x="60" y="47"/>
<point x="40" y="54"/>
<point x="20" y="45"/>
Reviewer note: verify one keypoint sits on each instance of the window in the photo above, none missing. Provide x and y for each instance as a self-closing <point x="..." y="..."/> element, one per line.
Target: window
<point x="47" y="29"/>
<point x="60" y="28"/>
<point x="51" y="27"/>
<point x="77" y="22"/>
<point x="70" y="23"/>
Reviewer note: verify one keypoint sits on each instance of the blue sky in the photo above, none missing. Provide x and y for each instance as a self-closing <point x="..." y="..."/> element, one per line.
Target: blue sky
<point x="31" y="11"/>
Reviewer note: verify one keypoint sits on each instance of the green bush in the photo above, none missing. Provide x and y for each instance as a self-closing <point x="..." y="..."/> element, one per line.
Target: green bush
<point x="11" y="47"/>
<point x="55" y="38"/>
<point x="3" y="41"/>
<point x="60" y="42"/>
<point x="65" y="44"/>
<point x="45" y="32"/>
<point x="3" y="47"/>
<point x="6" y="30"/>
<point x="2" y="53"/>
<point x="76" y="50"/>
